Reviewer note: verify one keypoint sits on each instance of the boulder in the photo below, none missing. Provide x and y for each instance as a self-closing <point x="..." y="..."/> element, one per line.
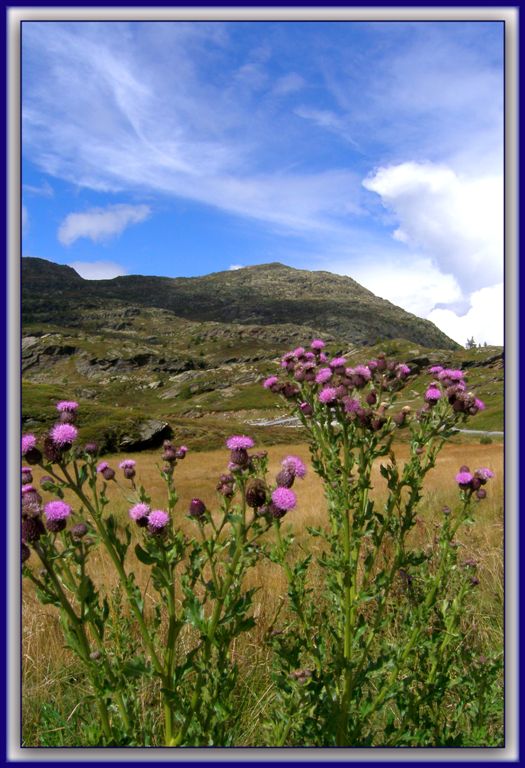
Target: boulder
<point x="146" y="434"/>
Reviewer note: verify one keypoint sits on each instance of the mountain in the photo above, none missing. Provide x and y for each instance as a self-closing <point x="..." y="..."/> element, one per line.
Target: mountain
<point x="267" y="294"/>
<point x="143" y="354"/>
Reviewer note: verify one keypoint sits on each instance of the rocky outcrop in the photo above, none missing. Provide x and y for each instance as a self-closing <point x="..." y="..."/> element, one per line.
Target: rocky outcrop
<point x="146" y="434"/>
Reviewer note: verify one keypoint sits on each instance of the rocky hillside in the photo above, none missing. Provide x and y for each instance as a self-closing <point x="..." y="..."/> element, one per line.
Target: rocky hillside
<point x="139" y="370"/>
<point x="267" y="294"/>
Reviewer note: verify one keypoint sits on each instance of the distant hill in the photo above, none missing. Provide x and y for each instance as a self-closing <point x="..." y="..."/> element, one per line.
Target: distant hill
<point x="267" y="294"/>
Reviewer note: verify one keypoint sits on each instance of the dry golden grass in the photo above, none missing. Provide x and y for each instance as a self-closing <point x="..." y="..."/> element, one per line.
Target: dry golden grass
<point x="45" y="663"/>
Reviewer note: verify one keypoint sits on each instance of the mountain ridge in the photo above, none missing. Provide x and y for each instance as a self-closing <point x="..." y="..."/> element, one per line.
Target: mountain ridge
<point x="262" y="294"/>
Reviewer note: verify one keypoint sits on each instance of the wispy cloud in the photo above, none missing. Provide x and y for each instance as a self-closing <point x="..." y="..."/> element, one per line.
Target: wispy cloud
<point x="234" y="267"/>
<point x="327" y="119"/>
<point x="98" y="270"/>
<point x="101" y="224"/>
<point x="44" y="190"/>
<point x="290" y="83"/>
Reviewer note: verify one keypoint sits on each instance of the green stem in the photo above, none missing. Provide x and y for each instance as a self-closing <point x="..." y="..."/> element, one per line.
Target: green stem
<point x="79" y="632"/>
<point x="96" y="514"/>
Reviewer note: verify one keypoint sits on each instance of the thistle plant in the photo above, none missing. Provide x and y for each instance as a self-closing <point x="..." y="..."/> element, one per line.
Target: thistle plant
<point x="183" y="645"/>
<point x="371" y="651"/>
<point x="368" y="647"/>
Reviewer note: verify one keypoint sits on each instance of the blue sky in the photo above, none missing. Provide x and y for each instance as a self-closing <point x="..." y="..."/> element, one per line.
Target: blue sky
<point x="371" y="149"/>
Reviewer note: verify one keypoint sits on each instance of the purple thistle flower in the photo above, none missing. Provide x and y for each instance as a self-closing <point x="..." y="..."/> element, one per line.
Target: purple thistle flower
<point x="324" y="375"/>
<point x="239" y="441"/>
<point x="56" y="513"/>
<point x="181" y="452"/>
<point x="57" y="510"/>
<point x="328" y="395"/>
<point x="139" y="512"/>
<point x="270" y="382"/>
<point x="317" y="344"/>
<point x="464" y="479"/>
<point x="363" y="371"/>
<point x="63" y="435"/>
<point x="432" y="394"/>
<point x="484" y="473"/>
<point x="295" y="464"/>
<point x="402" y="370"/>
<point x="435" y="369"/>
<point x="157" y="521"/>
<point x="309" y="356"/>
<point x="28" y="443"/>
<point x="351" y="405"/>
<point x="298" y="352"/>
<point x="322" y="357"/>
<point x="337" y="362"/>
<point x="284" y="499"/>
<point x="450" y="375"/>
<point x="69" y="406"/>
<point x="479" y="404"/>
<point x="128" y="465"/>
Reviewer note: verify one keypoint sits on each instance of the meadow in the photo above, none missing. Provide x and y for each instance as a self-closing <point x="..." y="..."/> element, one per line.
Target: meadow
<point x="56" y="709"/>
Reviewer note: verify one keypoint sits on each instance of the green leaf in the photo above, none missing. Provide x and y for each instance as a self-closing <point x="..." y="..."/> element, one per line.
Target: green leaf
<point x="144" y="556"/>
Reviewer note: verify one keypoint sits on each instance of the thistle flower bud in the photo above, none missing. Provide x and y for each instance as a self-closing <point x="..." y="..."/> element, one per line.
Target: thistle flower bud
<point x="27" y="475"/>
<point x="47" y="483"/>
<point x="32" y="529"/>
<point x="256" y="493"/>
<point x="197" y="508"/>
<point x="105" y="470"/>
<point x="52" y="451"/>
<point x="285" y="478"/>
<point x="79" y="531"/>
<point x="239" y="456"/>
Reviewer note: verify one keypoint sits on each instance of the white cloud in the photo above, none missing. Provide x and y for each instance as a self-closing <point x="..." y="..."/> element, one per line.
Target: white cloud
<point x="456" y="223"/>
<point x="235" y="266"/>
<point x="484" y="320"/>
<point x="101" y="224"/>
<point x="97" y="270"/>
<point x="414" y="285"/>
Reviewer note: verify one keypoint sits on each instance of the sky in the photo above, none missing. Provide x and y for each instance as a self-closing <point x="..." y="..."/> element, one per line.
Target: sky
<point x="368" y="149"/>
